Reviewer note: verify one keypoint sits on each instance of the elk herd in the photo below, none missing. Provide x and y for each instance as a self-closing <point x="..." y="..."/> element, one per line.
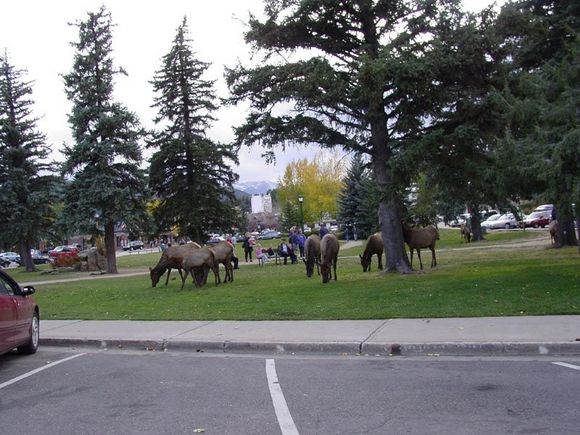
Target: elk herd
<point x="322" y="254"/>
<point x="192" y="259"/>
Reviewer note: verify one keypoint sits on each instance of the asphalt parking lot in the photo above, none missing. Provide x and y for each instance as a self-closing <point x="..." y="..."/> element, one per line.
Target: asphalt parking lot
<point x="60" y="391"/>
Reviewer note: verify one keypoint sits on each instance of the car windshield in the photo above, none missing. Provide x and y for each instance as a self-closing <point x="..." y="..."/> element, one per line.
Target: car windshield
<point x="535" y="214"/>
<point x="493" y="217"/>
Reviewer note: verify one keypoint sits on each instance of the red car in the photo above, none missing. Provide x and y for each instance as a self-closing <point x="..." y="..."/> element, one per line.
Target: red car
<point x="537" y="219"/>
<point x="63" y="251"/>
<point x="19" y="317"/>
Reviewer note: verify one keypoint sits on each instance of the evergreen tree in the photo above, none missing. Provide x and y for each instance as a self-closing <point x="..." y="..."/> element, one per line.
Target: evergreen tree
<point x="290" y="216"/>
<point x="349" y="196"/>
<point x="359" y="200"/>
<point x="189" y="173"/>
<point x="374" y="78"/>
<point x="107" y="186"/>
<point x="26" y="183"/>
<point x="543" y="102"/>
<point x="367" y="216"/>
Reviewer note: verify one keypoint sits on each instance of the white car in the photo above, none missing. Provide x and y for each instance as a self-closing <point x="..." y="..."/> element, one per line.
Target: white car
<point x="506" y="221"/>
<point x="488" y="223"/>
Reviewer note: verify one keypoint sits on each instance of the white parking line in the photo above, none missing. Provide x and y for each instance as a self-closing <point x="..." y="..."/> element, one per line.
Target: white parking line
<point x="570" y="366"/>
<point x="25" y="375"/>
<point x="285" y="420"/>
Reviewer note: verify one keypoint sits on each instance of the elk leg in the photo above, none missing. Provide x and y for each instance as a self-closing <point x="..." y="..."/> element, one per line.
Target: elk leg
<point x="380" y="257"/>
<point x="183" y="278"/>
<point x="433" y="258"/>
<point x="168" y="272"/>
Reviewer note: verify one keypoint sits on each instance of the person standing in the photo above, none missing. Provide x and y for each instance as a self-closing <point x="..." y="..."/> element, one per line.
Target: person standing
<point x="323" y="230"/>
<point x="300" y="240"/>
<point x="248" y="246"/>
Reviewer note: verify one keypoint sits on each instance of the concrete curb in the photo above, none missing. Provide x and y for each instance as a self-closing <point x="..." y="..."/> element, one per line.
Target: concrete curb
<point x="328" y="348"/>
<point x="480" y="349"/>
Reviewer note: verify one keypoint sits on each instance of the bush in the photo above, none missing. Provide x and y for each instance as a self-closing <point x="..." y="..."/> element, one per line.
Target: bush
<point x="65" y="261"/>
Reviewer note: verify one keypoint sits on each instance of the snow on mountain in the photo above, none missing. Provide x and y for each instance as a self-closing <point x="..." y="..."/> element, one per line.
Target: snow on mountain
<point x="256" y="187"/>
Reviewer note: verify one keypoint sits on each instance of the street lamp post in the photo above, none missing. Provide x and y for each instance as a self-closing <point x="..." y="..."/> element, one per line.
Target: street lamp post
<point x="301" y="201"/>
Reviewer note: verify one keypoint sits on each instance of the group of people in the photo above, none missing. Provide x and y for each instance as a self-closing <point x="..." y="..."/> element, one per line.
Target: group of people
<point x="287" y="249"/>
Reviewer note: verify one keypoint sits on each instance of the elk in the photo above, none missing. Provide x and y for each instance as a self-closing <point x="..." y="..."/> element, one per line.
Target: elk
<point x="465" y="231"/>
<point x="312" y="254"/>
<point x="329" y="254"/>
<point x="553" y="229"/>
<point x="222" y="253"/>
<point x="198" y="263"/>
<point x="418" y="238"/>
<point x="374" y="246"/>
<point x="171" y="258"/>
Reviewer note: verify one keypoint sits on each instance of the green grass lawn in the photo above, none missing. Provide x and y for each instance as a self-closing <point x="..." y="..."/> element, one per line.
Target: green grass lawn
<point x="476" y="282"/>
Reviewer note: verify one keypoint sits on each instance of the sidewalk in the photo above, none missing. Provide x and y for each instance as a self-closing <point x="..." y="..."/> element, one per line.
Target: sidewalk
<point x="531" y="335"/>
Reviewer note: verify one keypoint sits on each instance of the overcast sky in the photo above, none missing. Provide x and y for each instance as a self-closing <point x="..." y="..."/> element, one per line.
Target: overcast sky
<point x="36" y="35"/>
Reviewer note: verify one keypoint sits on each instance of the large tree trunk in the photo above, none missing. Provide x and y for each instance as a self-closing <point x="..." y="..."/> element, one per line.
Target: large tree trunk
<point x="394" y="245"/>
<point x="389" y="214"/>
<point x="475" y="224"/>
<point x="566" y="233"/>
<point x="110" y="247"/>
<point x="26" y="256"/>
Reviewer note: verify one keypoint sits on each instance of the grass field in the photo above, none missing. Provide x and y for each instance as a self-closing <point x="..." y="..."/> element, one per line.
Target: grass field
<point x="481" y="281"/>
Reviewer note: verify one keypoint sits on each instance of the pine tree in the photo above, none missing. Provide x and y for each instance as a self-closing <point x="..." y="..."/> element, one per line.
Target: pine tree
<point x="365" y="75"/>
<point x="107" y="185"/>
<point x="26" y="183"/>
<point x="290" y="216"/>
<point x="359" y="200"/>
<point x="189" y="173"/>
<point x="543" y="101"/>
<point x="367" y="216"/>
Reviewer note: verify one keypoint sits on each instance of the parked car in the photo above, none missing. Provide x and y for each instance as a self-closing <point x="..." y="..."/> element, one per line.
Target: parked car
<point x="4" y="262"/>
<point x="488" y="223"/>
<point x="537" y="219"/>
<point x="215" y="238"/>
<point x="487" y="213"/>
<point x="12" y="257"/>
<point x="545" y="207"/>
<point x="19" y="317"/>
<point x="269" y="234"/>
<point x="64" y="251"/>
<point x="459" y="220"/>
<point x="506" y="221"/>
<point x="134" y="245"/>
<point x="38" y="257"/>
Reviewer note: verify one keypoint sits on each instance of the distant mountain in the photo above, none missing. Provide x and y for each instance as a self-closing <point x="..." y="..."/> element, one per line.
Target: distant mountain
<point x="256" y="187"/>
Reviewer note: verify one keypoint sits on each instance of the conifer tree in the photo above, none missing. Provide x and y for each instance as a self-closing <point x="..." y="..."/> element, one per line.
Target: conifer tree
<point x="365" y="75"/>
<point x="107" y="186"/>
<point x="359" y="200"/>
<point x="189" y="174"/>
<point x="26" y="181"/>
<point x="543" y="102"/>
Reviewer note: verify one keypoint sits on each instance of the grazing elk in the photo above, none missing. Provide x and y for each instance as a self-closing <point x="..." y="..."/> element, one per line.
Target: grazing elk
<point x="465" y="231"/>
<point x="312" y="254"/>
<point x="171" y="258"/>
<point x="374" y="246"/>
<point x="223" y="253"/>
<point x="198" y="263"/>
<point x="553" y="229"/>
<point x="418" y="238"/>
<point x="328" y="254"/>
